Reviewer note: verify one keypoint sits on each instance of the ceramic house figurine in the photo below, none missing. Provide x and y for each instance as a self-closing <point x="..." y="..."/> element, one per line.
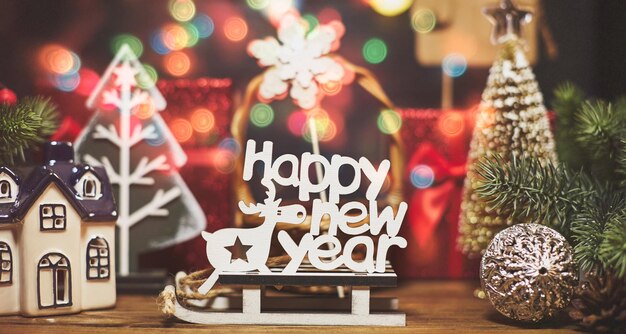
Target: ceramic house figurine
<point x="57" y="237"/>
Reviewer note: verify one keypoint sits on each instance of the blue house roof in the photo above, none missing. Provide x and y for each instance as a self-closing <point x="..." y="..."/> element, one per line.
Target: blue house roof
<point x="60" y="170"/>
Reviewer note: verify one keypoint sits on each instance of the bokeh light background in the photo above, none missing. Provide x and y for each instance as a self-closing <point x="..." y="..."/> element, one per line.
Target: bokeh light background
<point x="68" y="44"/>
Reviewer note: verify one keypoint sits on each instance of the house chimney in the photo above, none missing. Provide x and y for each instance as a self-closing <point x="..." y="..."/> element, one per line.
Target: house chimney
<point x="56" y="151"/>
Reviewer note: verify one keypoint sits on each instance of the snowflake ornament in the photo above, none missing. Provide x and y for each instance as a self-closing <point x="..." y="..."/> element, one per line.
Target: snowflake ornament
<point x="302" y="61"/>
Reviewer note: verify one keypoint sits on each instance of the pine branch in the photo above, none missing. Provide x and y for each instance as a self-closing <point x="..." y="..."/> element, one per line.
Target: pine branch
<point x="568" y="99"/>
<point x="596" y="232"/>
<point x="613" y="246"/>
<point x="620" y="169"/>
<point x="529" y="191"/>
<point x="620" y="106"/>
<point x="600" y="130"/>
<point x="591" y="215"/>
<point x="48" y="113"/>
<point x="24" y="126"/>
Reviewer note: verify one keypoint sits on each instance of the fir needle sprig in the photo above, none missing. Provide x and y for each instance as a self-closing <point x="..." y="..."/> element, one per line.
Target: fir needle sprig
<point x="24" y="126"/>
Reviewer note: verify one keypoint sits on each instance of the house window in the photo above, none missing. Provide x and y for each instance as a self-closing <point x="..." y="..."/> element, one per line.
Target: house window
<point x="6" y="264"/>
<point x="89" y="188"/>
<point x="98" y="260"/>
<point x="5" y="189"/>
<point x="54" y="281"/>
<point x="52" y="217"/>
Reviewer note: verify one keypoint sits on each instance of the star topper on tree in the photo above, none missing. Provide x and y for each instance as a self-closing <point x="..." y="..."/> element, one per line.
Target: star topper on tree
<point x="507" y="21"/>
<point x="130" y="139"/>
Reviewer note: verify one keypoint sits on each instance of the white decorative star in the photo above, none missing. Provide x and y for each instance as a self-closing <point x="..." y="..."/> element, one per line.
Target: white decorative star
<point x="301" y="60"/>
<point x="125" y="75"/>
<point x="507" y="21"/>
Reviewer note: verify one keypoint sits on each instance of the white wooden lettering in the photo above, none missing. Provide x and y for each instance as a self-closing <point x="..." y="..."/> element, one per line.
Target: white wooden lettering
<point x="325" y="251"/>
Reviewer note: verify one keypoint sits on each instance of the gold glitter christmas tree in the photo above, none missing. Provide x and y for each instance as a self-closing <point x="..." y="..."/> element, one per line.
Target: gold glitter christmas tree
<point x="512" y="121"/>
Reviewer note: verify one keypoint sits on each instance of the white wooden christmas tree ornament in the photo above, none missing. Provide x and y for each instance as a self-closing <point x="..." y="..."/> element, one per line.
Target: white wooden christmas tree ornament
<point x="318" y="258"/>
<point x="141" y="157"/>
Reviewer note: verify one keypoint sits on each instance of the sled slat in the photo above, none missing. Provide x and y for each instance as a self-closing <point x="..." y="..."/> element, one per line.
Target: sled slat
<point x="307" y="275"/>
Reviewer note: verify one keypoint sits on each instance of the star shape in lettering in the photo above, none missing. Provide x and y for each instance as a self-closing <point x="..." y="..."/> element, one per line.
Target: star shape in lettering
<point x="507" y="21"/>
<point x="125" y="75"/>
<point x="238" y="245"/>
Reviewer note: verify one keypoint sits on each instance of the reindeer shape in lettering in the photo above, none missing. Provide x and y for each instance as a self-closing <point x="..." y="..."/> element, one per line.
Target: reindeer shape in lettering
<point x="256" y="240"/>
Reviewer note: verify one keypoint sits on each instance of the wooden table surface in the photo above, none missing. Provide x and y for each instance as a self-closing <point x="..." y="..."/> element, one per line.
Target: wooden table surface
<point x="431" y="307"/>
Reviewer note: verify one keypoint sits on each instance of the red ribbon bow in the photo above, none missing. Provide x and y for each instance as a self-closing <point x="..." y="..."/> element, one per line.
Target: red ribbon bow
<point x="428" y="206"/>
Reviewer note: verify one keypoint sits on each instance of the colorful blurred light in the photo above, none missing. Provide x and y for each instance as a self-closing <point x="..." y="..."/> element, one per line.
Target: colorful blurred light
<point x="76" y="64"/>
<point x="454" y="65"/>
<point x="328" y="14"/>
<point x="58" y="59"/>
<point x="296" y="122"/>
<point x="204" y="24"/>
<point x="133" y="42"/>
<point x="193" y="33"/>
<point x="326" y="127"/>
<point x="175" y="37"/>
<point x="451" y="124"/>
<point x="277" y="9"/>
<point x="149" y="81"/>
<point x="182" y="10"/>
<point x="389" y="121"/>
<point x="311" y="21"/>
<point x="67" y="82"/>
<point x="375" y="51"/>
<point x="177" y="63"/>
<point x="202" y="120"/>
<point x="181" y="129"/>
<point x="235" y="29"/>
<point x="390" y="7"/>
<point x="331" y="88"/>
<point x="422" y="176"/>
<point x="145" y="110"/>
<point x="325" y="132"/>
<point x="88" y="81"/>
<point x="231" y="145"/>
<point x="158" y="44"/>
<point x="158" y="139"/>
<point x="258" y="4"/>
<point x="224" y="161"/>
<point x="423" y="21"/>
<point x="261" y="115"/>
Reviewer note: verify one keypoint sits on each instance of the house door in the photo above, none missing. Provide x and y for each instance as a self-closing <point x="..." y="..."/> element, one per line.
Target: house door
<point x="54" y="281"/>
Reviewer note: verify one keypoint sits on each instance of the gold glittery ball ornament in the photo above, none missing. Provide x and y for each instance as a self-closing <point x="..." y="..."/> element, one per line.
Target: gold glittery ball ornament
<point x="528" y="272"/>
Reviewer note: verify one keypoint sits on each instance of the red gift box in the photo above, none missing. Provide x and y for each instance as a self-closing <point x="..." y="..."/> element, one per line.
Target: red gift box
<point x="436" y="145"/>
<point x="205" y="106"/>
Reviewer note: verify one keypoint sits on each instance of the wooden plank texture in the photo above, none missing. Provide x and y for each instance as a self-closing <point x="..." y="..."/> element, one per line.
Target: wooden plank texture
<point x="430" y="306"/>
<point x="308" y="275"/>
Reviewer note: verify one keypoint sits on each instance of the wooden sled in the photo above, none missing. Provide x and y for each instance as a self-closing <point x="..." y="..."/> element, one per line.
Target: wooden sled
<point x="255" y="307"/>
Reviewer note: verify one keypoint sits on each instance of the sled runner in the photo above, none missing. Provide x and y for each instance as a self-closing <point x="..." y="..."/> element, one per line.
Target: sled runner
<point x="256" y="307"/>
